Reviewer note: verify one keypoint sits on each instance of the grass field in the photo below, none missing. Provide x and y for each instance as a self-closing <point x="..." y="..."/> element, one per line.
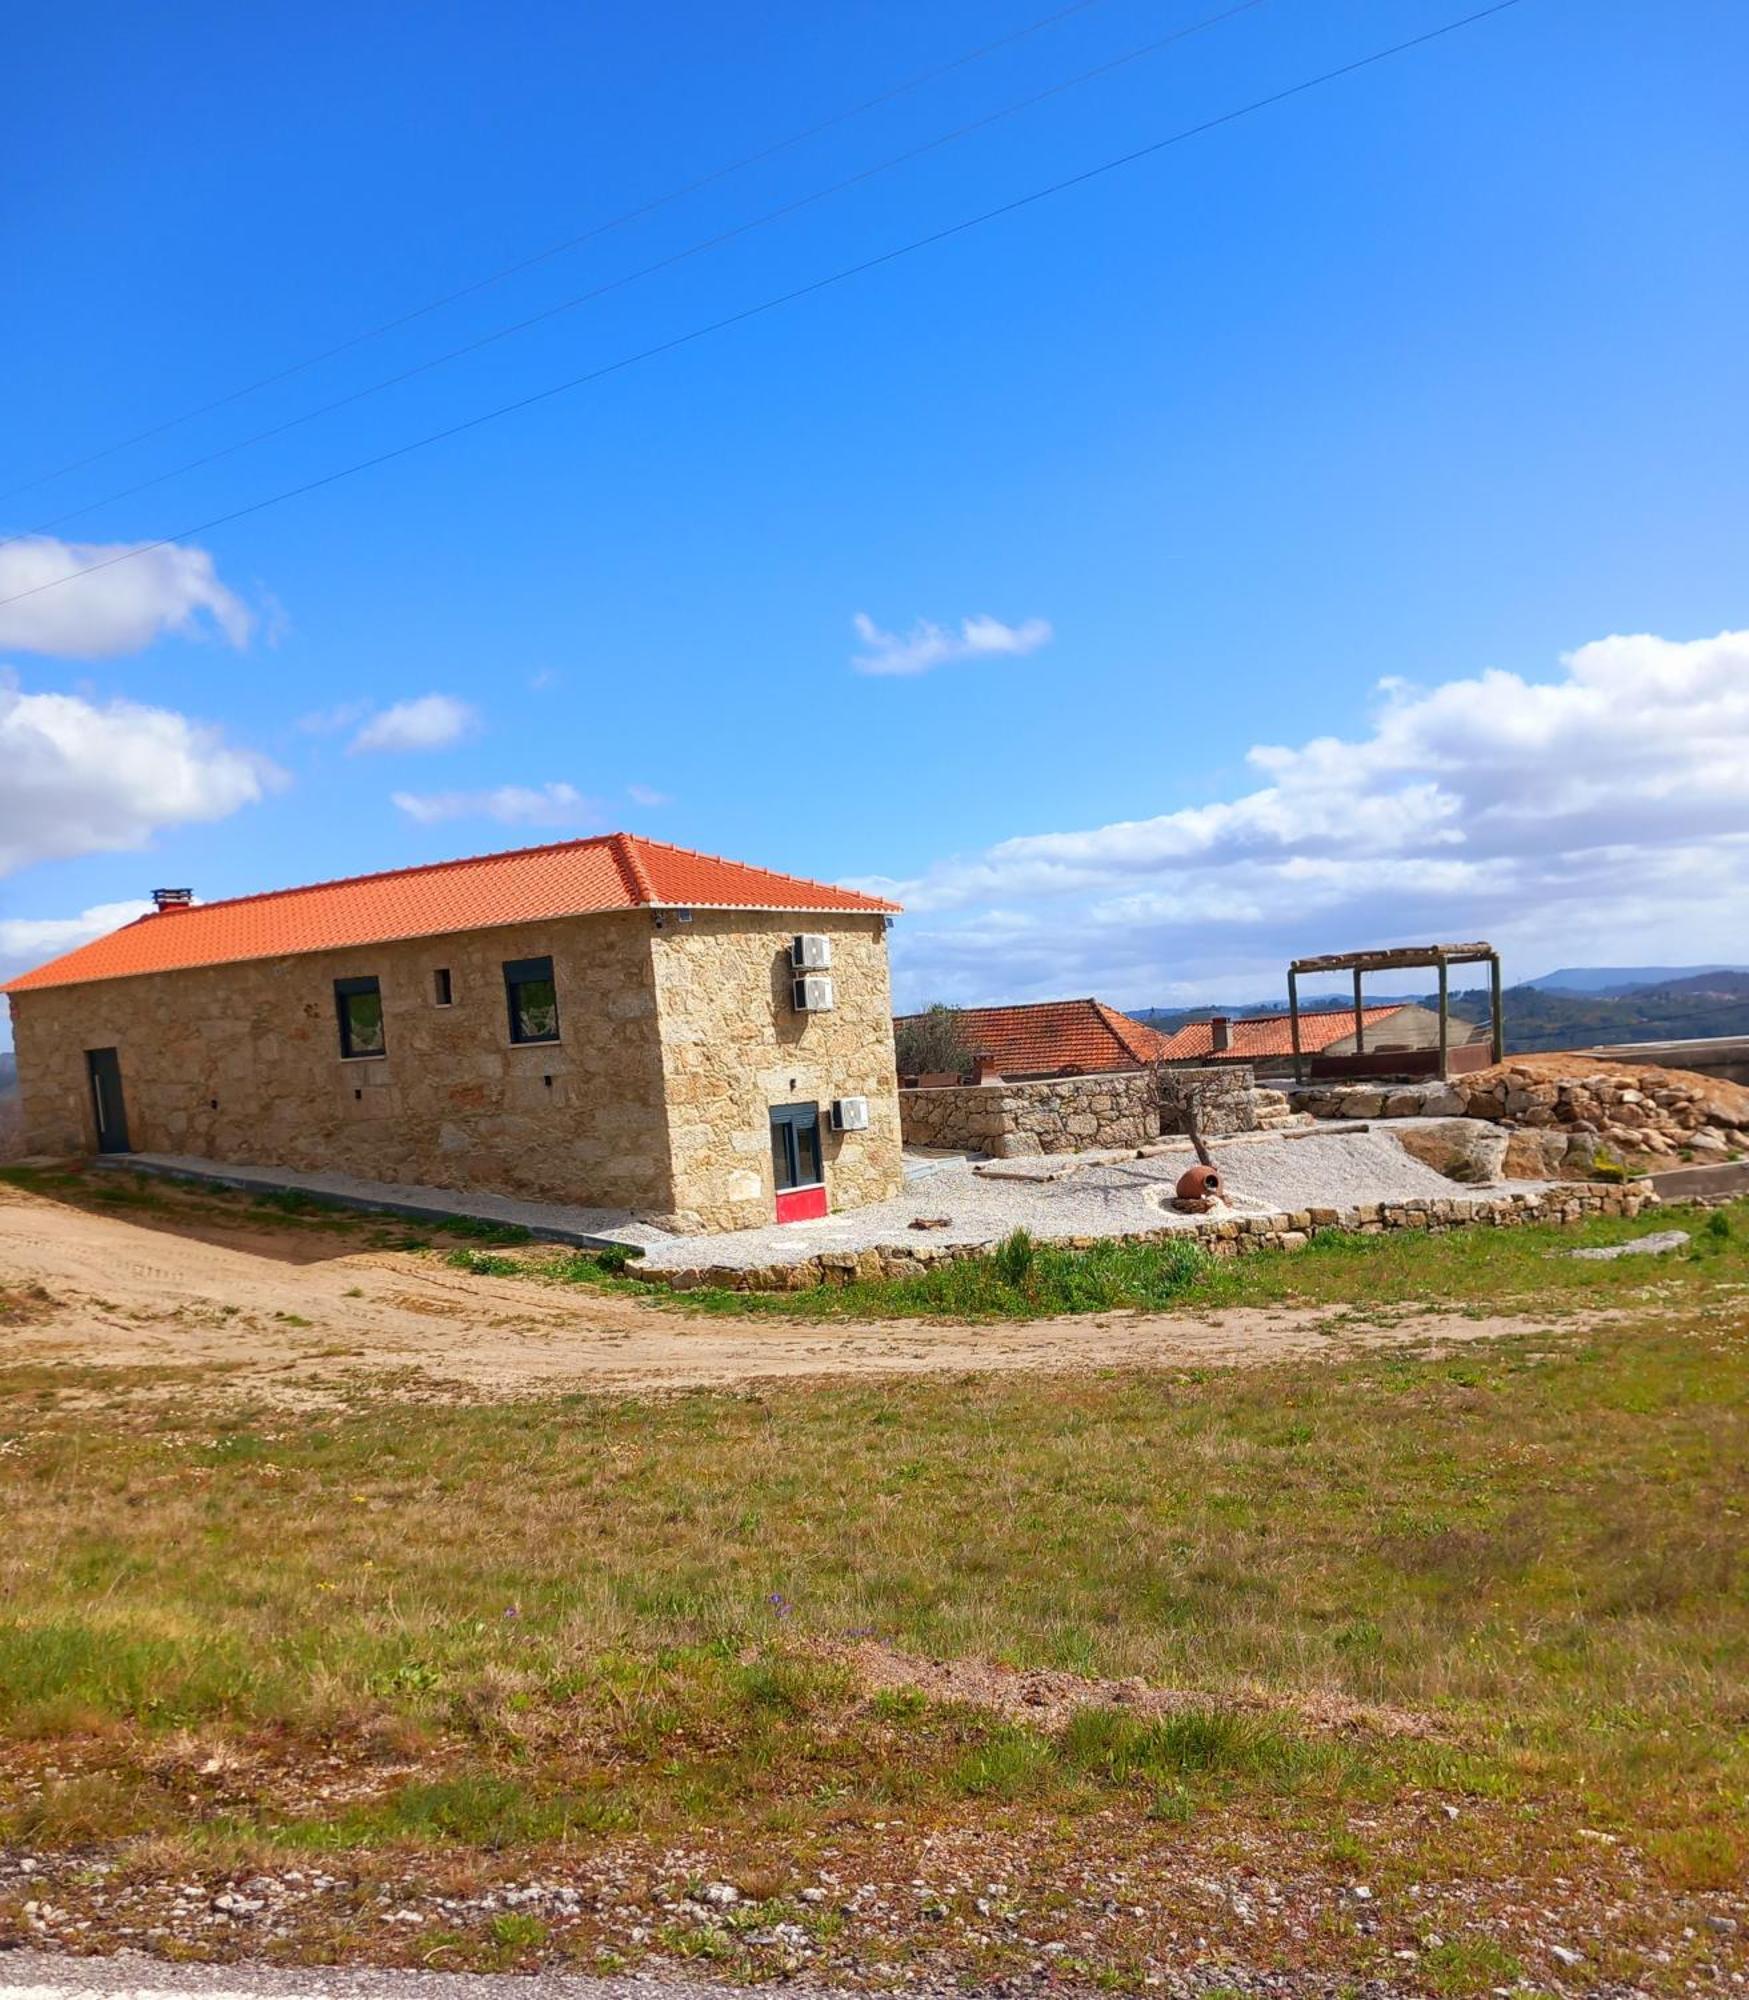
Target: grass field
<point x="542" y="1628"/>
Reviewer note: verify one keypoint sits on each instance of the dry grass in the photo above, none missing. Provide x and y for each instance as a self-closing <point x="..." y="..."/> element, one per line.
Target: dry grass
<point x="1541" y="1546"/>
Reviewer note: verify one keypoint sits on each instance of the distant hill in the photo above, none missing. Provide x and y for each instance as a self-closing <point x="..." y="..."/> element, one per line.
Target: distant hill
<point x="1723" y="985"/>
<point x="1690" y="1005"/>
<point x="8" y="1071"/>
<point x="1615" y="980"/>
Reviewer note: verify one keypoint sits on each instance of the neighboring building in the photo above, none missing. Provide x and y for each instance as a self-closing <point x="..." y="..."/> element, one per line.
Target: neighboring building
<point x="1266" y="1040"/>
<point x="610" y="1022"/>
<point x="1055" y="1038"/>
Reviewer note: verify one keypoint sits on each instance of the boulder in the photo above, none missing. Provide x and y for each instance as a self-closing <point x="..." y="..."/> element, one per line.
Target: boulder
<point x="1535" y="1154"/>
<point x="1463" y="1149"/>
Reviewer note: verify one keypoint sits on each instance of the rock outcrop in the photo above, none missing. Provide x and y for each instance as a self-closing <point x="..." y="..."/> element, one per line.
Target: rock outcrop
<point x="1558" y="1113"/>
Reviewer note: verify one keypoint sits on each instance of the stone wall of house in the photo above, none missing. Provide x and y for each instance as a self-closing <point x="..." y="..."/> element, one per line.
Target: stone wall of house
<point x="674" y="1043"/>
<point x="1064" y="1114"/>
<point x="733" y="1046"/>
<point x="1221" y="1100"/>
<point x="242" y="1063"/>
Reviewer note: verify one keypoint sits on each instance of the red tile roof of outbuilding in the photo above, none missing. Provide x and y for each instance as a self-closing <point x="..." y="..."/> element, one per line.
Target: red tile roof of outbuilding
<point x="1271" y="1035"/>
<point x="613" y="871"/>
<point x="1053" y="1035"/>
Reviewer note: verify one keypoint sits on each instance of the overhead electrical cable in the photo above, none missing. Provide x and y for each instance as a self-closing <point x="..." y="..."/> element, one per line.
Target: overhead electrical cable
<point x="528" y="263"/>
<point x="708" y="243"/>
<point x="778" y="300"/>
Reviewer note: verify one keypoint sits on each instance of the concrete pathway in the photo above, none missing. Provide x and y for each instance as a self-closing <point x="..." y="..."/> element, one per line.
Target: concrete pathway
<point x="552" y="1222"/>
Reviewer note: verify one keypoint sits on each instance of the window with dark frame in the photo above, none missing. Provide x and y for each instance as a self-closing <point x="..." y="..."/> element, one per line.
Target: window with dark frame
<point x="442" y="993"/>
<point x="359" y="1004"/>
<point x="533" y="1000"/>
<point x="795" y="1146"/>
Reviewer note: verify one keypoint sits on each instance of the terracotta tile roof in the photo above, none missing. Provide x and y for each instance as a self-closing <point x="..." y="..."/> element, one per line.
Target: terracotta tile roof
<point x="1055" y="1035"/>
<point x="613" y="871"/>
<point x="1270" y="1034"/>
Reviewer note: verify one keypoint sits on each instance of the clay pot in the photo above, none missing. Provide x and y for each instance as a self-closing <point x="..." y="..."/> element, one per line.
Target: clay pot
<point x="1198" y="1184"/>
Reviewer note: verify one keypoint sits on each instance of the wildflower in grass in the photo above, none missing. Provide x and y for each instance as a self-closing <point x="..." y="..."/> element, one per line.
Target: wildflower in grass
<point x="780" y="1604"/>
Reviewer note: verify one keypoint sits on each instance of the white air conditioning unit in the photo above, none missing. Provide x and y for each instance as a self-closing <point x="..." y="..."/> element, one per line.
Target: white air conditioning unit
<point x="850" y="1114"/>
<point x="810" y="952"/>
<point x="813" y="994"/>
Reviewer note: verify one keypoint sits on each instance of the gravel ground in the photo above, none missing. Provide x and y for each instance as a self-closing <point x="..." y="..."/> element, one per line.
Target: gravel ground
<point x="52" y="1976"/>
<point x="1065" y="1195"/>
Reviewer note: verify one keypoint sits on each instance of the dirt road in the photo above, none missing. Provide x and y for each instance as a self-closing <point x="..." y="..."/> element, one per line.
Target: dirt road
<point x="294" y="1310"/>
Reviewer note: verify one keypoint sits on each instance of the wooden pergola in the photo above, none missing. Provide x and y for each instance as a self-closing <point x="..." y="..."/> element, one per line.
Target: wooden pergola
<point x="1401" y="958"/>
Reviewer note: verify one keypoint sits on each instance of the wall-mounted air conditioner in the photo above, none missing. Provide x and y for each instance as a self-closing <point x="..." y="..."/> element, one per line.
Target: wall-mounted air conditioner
<point x="850" y="1114"/>
<point x="810" y="952"/>
<point x="813" y="994"/>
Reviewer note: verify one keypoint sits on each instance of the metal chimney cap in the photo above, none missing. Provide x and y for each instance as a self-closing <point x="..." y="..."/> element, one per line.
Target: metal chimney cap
<point x="172" y="899"/>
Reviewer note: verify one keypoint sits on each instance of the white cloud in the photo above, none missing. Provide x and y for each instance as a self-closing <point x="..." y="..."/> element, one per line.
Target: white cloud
<point x="120" y="609"/>
<point x="514" y="805"/>
<point x="331" y="721"/>
<point x="77" y="777"/>
<point x="645" y="795"/>
<point x="31" y="941"/>
<point x="929" y="645"/>
<point x="1602" y="814"/>
<point x="429" y="722"/>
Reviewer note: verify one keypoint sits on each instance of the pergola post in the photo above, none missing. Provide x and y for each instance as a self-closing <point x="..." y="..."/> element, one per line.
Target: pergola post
<point x="1359" y="1016"/>
<point x="1293" y="1018"/>
<point x="1444" y="1023"/>
<point x="1499" y="1025"/>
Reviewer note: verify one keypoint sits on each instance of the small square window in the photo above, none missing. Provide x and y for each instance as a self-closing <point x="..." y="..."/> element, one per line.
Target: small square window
<point x="533" y="1000"/>
<point x="442" y="993"/>
<point x="359" y="1004"/>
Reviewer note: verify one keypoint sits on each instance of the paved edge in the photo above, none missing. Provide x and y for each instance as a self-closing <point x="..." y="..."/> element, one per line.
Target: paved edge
<point x="253" y="1180"/>
<point x="33" y="1975"/>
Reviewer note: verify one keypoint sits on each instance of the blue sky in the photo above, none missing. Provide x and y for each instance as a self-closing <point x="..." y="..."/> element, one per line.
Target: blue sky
<point x="1350" y="428"/>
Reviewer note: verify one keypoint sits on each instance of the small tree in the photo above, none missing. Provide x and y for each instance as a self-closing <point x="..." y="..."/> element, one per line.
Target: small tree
<point x="932" y="1042"/>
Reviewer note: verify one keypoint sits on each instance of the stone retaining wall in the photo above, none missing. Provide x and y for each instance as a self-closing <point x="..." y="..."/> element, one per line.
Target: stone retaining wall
<point x="1064" y="1114"/>
<point x="1224" y="1236"/>
<point x="1079" y="1114"/>
<point x="1559" y="1122"/>
<point x="1222" y="1101"/>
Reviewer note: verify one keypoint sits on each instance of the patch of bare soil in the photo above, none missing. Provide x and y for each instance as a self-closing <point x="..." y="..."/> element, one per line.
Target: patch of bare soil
<point x="1048" y="1698"/>
<point x="293" y="1312"/>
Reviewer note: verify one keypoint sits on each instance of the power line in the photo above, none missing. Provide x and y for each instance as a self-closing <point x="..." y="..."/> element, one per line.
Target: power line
<point x="621" y="221"/>
<point x="708" y="243"/>
<point x="780" y="299"/>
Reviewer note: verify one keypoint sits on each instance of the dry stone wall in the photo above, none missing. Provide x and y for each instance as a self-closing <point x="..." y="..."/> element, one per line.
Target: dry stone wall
<point x="1221" y="1236"/>
<point x="1221" y="1100"/>
<point x="1080" y="1114"/>
<point x="1065" y="1114"/>
<point x="1559" y="1113"/>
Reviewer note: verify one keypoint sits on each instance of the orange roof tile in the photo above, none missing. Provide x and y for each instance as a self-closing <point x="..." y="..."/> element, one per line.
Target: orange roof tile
<point x="613" y="871"/>
<point x="1271" y="1035"/>
<point x="1054" y="1035"/>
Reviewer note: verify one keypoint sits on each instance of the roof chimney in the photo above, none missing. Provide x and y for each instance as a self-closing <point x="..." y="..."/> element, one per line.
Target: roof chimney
<point x="172" y="899"/>
<point x="1220" y="1034"/>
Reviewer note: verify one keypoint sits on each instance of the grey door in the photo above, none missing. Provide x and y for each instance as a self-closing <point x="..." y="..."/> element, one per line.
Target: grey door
<point x="106" y="1101"/>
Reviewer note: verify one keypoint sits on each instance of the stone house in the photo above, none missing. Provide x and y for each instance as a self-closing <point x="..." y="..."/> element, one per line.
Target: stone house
<point x="614" y="1023"/>
<point x="1265" y="1041"/>
<point x="1042" y="1038"/>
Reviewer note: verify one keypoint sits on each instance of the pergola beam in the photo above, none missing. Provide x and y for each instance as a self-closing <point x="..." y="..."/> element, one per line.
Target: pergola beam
<point x="1397" y="958"/>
